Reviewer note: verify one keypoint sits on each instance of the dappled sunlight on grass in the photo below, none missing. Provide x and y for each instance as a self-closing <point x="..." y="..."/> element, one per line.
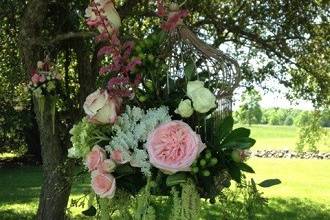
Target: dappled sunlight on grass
<point x="6" y="156"/>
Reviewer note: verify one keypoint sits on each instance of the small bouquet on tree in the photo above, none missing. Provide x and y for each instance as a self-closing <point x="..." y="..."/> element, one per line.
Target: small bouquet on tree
<point x="155" y="134"/>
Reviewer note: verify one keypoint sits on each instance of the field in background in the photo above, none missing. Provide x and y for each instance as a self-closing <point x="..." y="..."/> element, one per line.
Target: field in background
<point x="303" y="194"/>
<point x="281" y="137"/>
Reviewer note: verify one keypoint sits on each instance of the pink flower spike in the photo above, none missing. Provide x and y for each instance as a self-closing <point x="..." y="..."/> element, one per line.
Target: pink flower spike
<point x="131" y="65"/>
<point x="174" y="19"/>
<point x="106" y="50"/>
<point x="137" y="80"/>
<point x="161" y="11"/>
<point x="117" y="81"/>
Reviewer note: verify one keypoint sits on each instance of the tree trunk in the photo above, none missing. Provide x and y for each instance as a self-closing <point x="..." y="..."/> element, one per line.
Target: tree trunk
<point x="56" y="169"/>
<point x="31" y="134"/>
<point x="87" y="70"/>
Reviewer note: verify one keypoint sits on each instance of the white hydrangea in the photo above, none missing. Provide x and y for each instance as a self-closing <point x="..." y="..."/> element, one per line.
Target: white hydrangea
<point x="131" y="132"/>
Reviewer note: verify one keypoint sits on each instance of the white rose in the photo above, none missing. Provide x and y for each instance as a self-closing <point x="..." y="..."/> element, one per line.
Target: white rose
<point x="101" y="108"/>
<point x="185" y="109"/>
<point x="203" y="100"/>
<point x="192" y="86"/>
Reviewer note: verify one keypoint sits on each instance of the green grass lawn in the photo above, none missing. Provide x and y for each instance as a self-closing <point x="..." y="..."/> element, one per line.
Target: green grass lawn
<point x="281" y="137"/>
<point x="303" y="194"/>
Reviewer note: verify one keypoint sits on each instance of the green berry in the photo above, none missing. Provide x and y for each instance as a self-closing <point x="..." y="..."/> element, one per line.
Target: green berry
<point x="195" y="169"/>
<point x="208" y="155"/>
<point x="206" y="173"/>
<point x="213" y="162"/>
<point x="151" y="57"/>
<point x="202" y="162"/>
<point x="143" y="98"/>
<point x="138" y="49"/>
<point x="142" y="56"/>
<point x="235" y="155"/>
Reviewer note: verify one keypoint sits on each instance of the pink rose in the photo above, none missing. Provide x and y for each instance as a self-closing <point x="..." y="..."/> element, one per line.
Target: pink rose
<point x="95" y="158"/>
<point x="103" y="184"/>
<point x="173" y="147"/>
<point x="42" y="78"/>
<point x="107" y="166"/>
<point x="101" y="108"/>
<point x="117" y="156"/>
<point x="35" y="79"/>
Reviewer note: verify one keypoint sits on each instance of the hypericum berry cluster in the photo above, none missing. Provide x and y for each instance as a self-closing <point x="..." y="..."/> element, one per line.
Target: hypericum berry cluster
<point x="204" y="163"/>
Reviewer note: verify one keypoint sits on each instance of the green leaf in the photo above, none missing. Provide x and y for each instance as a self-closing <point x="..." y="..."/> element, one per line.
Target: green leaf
<point x="124" y="170"/>
<point x="242" y="143"/>
<point x="225" y="127"/>
<point x="189" y="70"/>
<point x="269" y="183"/>
<point x="91" y="211"/>
<point x="246" y="168"/>
<point x="237" y="133"/>
<point x="235" y="172"/>
<point x="176" y="179"/>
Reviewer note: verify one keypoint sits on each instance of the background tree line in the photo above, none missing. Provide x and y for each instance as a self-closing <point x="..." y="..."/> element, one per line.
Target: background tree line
<point x="250" y="112"/>
<point x="280" y="116"/>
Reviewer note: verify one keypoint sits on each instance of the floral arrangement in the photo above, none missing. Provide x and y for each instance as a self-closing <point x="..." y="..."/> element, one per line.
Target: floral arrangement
<point x="149" y="135"/>
<point x="45" y="78"/>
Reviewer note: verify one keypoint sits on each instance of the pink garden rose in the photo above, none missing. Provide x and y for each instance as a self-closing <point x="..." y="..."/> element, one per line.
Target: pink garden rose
<point x="103" y="184"/>
<point x="95" y="158"/>
<point x="107" y="166"/>
<point x="173" y="147"/>
<point x="101" y="108"/>
<point x="117" y="156"/>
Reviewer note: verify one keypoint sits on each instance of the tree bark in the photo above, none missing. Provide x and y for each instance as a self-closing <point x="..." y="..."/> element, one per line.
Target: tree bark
<point x="57" y="170"/>
<point x="87" y="70"/>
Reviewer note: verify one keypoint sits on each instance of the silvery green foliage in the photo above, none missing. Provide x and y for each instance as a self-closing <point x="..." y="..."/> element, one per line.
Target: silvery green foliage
<point x="131" y="132"/>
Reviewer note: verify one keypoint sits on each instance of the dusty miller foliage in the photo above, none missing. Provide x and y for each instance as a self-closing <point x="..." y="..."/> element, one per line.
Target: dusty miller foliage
<point x="131" y="129"/>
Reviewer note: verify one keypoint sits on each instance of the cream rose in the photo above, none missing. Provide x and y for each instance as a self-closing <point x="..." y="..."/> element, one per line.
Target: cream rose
<point x="185" y="109"/>
<point x="193" y="86"/>
<point x="100" y="108"/>
<point x="203" y="100"/>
